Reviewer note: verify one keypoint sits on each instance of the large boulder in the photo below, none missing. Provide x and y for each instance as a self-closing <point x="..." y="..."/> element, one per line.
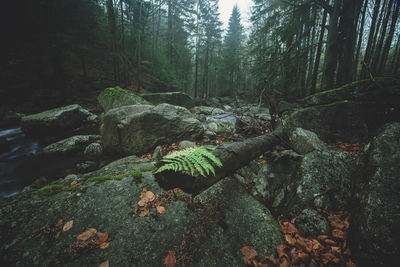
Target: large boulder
<point x="376" y="217"/>
<point x="208" y="230"/>
<point x="289" y="184"/>
<point x="221" y="126"/>
<point x="206" y="110"/>
<point x="173" y="98"/>
<point x="378" y="101"/>
<point x="341" y="121"/>
<point x="117" y="97"/>
<point x="139" y="129"/>
<point x="56" y="122"/>
<point x="71" y="145"/>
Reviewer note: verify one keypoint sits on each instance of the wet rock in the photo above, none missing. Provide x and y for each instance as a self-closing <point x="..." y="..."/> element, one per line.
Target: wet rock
<point x="246" y="222"/>
<point x="173" y="98"/>
<point x="304" y="141"/>
<point x="72" y="145"/>
<point x="221" y="126"/>
<point x="186" y="144"/>
<point x="86" y="166"/>
<point x="206" y="110"/>
<point x="238" y="220"/>
<point x="158" y="153"/>
<point x="56" y="122"/>
<point x="342" y="121"/>
<point x="117" y="97"/>
<point x="139" y="129"/>
<point x="94" y="151"/>
<point x="376" y="215"/>
<point x="312" y="223"/>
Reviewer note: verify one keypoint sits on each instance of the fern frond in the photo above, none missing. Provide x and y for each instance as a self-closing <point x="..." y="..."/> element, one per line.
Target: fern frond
<point x="191" y="160"/>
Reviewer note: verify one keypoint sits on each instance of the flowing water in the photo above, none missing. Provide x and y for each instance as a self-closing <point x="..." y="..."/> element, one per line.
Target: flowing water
<point x="15" y="172"/>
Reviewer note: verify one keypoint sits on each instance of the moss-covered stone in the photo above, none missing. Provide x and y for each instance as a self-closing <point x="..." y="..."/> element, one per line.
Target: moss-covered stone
<point x="53" y="189"/>
<point x="173" y="98"/>
<point x="117" y="97"/>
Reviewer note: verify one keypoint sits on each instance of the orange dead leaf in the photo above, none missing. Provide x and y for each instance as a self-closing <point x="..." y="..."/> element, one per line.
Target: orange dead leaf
<point x="329" y="257"/>
<point x="74" y="182"/>
<point x="68" y="225"/>
<point x="339" y="234"/>
<point x="58" y="235"/>
<point x="330" y="242"/>
<point x="87" y="234"/>
<point x="347" y="252"/>
<point x="272" y="260"/>
<point x="336" y="250"/>
<point x="290" y="240"/>
<point x="249" y="254"/>
<point x="59" y="222"/>
<point x="105" y="264"/>
<point x="322" y="237"/>
<point x="101" y="237"/>
<point x="350" y="264"/>
<point x="169" y="260"/>
<point x="144" y="213"/>
<point x="142" y="203"/>
<point x="281" y="250"/>
<point x="104" y="245"/>
<point x="285" y="263"/>
<point x="149" y="196"/>
<point x="161" y="209"/>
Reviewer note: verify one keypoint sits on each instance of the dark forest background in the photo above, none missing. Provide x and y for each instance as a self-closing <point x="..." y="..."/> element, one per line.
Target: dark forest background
<point x="59" y="50"/>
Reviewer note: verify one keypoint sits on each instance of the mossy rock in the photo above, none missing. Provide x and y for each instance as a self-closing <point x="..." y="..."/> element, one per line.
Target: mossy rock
<point x="173" y="98"/>
<point x="115" y="97"/>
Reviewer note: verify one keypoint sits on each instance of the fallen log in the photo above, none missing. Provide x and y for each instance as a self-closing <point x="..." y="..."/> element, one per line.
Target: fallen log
<point x="233" y="157"/>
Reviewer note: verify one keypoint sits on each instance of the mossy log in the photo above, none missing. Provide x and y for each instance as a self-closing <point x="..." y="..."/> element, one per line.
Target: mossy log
<point x="233" y="156"/>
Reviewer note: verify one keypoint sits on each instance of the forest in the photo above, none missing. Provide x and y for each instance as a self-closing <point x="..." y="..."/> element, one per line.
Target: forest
<point x="154" y="133"/>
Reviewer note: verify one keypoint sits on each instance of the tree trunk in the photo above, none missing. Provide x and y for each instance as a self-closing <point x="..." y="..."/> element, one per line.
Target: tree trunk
<point x="319" y="51"/>
<point x="378" y="50"/>
<point x="360" y="37"/>
<point x="389" y="39"/>
<point x="112" y="25"/>
<point x="331" y="47"/>
<point x="368" y="50"/>
<point x="233" y="156"/>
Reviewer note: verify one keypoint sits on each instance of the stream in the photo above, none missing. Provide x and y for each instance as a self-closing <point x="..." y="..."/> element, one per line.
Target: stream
<point x="15" y="168"/>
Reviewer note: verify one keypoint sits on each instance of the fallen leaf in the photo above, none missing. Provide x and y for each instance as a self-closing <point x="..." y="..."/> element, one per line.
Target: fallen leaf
<point x="87" y="234"/>
<point x="329" y="257"/>
<point x="273" y="260"/>
<point x="68" y="225"/>
<point x="330" y="242"/>
<point x="322" y="237"/>
<point x="339" y="234"/>
<point x="104" y="245"/>
<point x="285" y="263"/>
<point x="101" y="237"/>
<point x="169" y="260"/>
<point x="281" y="250"/>
<point x="144" y="213"/>
<point x="59" y="222"/>
<point x="149" y="196"/>
<point x="303" y="256"/>
<point x="336" y="250"/>
<point x="290" y="240"/>
<point x="58" y="235"/>
<point x="161" y="209"/>
<point x="142" y="203"/>
<point x="249" y="254"/>
<point x="105" y="264"/>
<point x="350" y="264"/>
<point x="74" y="182"/>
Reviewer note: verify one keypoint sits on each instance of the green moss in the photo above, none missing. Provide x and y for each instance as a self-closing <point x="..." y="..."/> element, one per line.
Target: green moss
<point x="136" y="174"/>
<point x="112" y="91"/>
<point x="99" y="178"/>
<point x="148" y="169"/>
<point x="53" y="189"/>
<point x="336" y="103"/>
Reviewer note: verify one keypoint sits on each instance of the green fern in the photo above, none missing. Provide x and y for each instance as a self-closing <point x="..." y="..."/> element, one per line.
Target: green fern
<point x="191" y="160"/>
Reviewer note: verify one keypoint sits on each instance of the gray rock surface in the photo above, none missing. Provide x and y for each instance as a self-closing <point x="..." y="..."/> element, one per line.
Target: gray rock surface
<point x="173" y="98"/>
<point x="376" y="217"/>
<point x="55" y="122"/>
<point x="221" y="126"/>
<point x="94" y="151"/>
<point x="71" y="145"/>
<point x="304" y="141"/>
<point x="312" y="223"/>
<point x="117" y="97"/>
<point x="206" y="110"/>
<point x="139" y="129"/>
<point x="186" y="144"/>
<point x="226" y="214"/>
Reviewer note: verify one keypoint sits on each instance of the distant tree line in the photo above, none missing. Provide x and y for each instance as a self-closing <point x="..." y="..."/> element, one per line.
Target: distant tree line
<point x="300" y="47"/>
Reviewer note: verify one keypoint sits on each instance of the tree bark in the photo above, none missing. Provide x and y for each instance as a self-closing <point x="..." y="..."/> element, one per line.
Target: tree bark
<point x="233" y="156"/>
<point x="361" y="33"/>
<point x="319" y="51"/>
